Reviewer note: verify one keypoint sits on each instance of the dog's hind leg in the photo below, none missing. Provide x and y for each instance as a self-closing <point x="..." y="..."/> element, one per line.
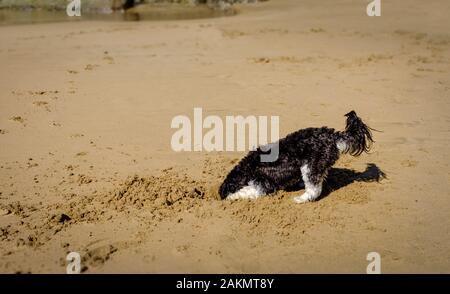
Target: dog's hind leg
<point x="313" y="185"/>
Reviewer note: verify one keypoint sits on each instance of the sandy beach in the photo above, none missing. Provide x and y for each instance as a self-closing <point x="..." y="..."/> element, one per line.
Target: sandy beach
<point x="86" y="163"/>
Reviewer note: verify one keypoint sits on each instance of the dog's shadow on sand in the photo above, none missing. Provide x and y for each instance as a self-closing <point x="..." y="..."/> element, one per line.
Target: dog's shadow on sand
<point x="341" y="177"/>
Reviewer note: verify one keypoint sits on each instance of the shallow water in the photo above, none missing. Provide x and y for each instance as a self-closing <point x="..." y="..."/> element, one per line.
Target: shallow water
<point x="138" y="13"/>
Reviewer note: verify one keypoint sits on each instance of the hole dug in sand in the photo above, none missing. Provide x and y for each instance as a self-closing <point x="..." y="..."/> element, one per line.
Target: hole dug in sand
<point x="156" y="191"/>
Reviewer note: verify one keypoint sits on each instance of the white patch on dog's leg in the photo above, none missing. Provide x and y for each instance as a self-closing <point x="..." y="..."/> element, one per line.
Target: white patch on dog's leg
<point x="309" y="195"/>
<point x="312" y="191"/>
<point x="252" y="191"/>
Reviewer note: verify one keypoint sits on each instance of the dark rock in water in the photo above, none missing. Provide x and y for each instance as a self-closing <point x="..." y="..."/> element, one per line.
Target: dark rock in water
<point x="128" y="4"/>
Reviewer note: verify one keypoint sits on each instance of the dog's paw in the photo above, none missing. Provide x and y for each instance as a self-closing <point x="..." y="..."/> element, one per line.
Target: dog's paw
<point x="302" y="199"/>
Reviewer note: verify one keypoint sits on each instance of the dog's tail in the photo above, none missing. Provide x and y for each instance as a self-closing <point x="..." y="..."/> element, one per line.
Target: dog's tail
<point x="357" y="137"/>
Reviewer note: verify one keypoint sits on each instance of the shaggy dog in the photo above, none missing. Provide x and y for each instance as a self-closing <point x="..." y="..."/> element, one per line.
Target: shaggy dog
<point x="305" y="155"/>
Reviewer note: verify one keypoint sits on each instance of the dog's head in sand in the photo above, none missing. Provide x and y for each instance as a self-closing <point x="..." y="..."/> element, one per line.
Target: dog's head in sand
<point x="304" y="156"/>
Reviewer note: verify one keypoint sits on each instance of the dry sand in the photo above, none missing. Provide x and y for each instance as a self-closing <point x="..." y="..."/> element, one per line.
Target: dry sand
<point x="86" y="163"/>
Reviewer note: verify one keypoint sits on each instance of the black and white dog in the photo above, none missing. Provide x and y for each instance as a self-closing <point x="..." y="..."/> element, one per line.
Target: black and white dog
<point x="305" y="155"/>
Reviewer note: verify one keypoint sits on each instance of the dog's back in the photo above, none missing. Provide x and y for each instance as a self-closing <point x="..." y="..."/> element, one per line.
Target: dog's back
<point x="285" y="172"/>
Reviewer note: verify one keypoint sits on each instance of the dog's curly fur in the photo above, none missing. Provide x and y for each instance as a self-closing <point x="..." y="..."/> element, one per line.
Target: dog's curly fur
<point x="305" y="155"/>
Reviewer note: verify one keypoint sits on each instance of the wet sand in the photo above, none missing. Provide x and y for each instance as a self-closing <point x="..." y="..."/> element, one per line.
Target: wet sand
<point x="86" y="163"/>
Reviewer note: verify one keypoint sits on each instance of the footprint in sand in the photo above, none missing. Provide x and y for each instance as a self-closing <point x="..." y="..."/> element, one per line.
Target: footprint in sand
<point x="419" y="59"/>
<point x="317" y="30"/>
<point x="17" y="93"/>
<point x="409" y="163"/>
<point x="99" y="255"/>
<point x="399" y="141"/>
<point x="108" y="58"/>
<point x="282" y="59"/>
<point x="261" y="60"/>
<point x="42" y="104"/>
<point x="18" y="119"/>
<point x="91" y="66"/>
<point x="40" y="93"/>
<point x="233" y="34"/>
<point x="3" y="131"/>
<point x="71" y="71"/>
<point x="181" y="249"/>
